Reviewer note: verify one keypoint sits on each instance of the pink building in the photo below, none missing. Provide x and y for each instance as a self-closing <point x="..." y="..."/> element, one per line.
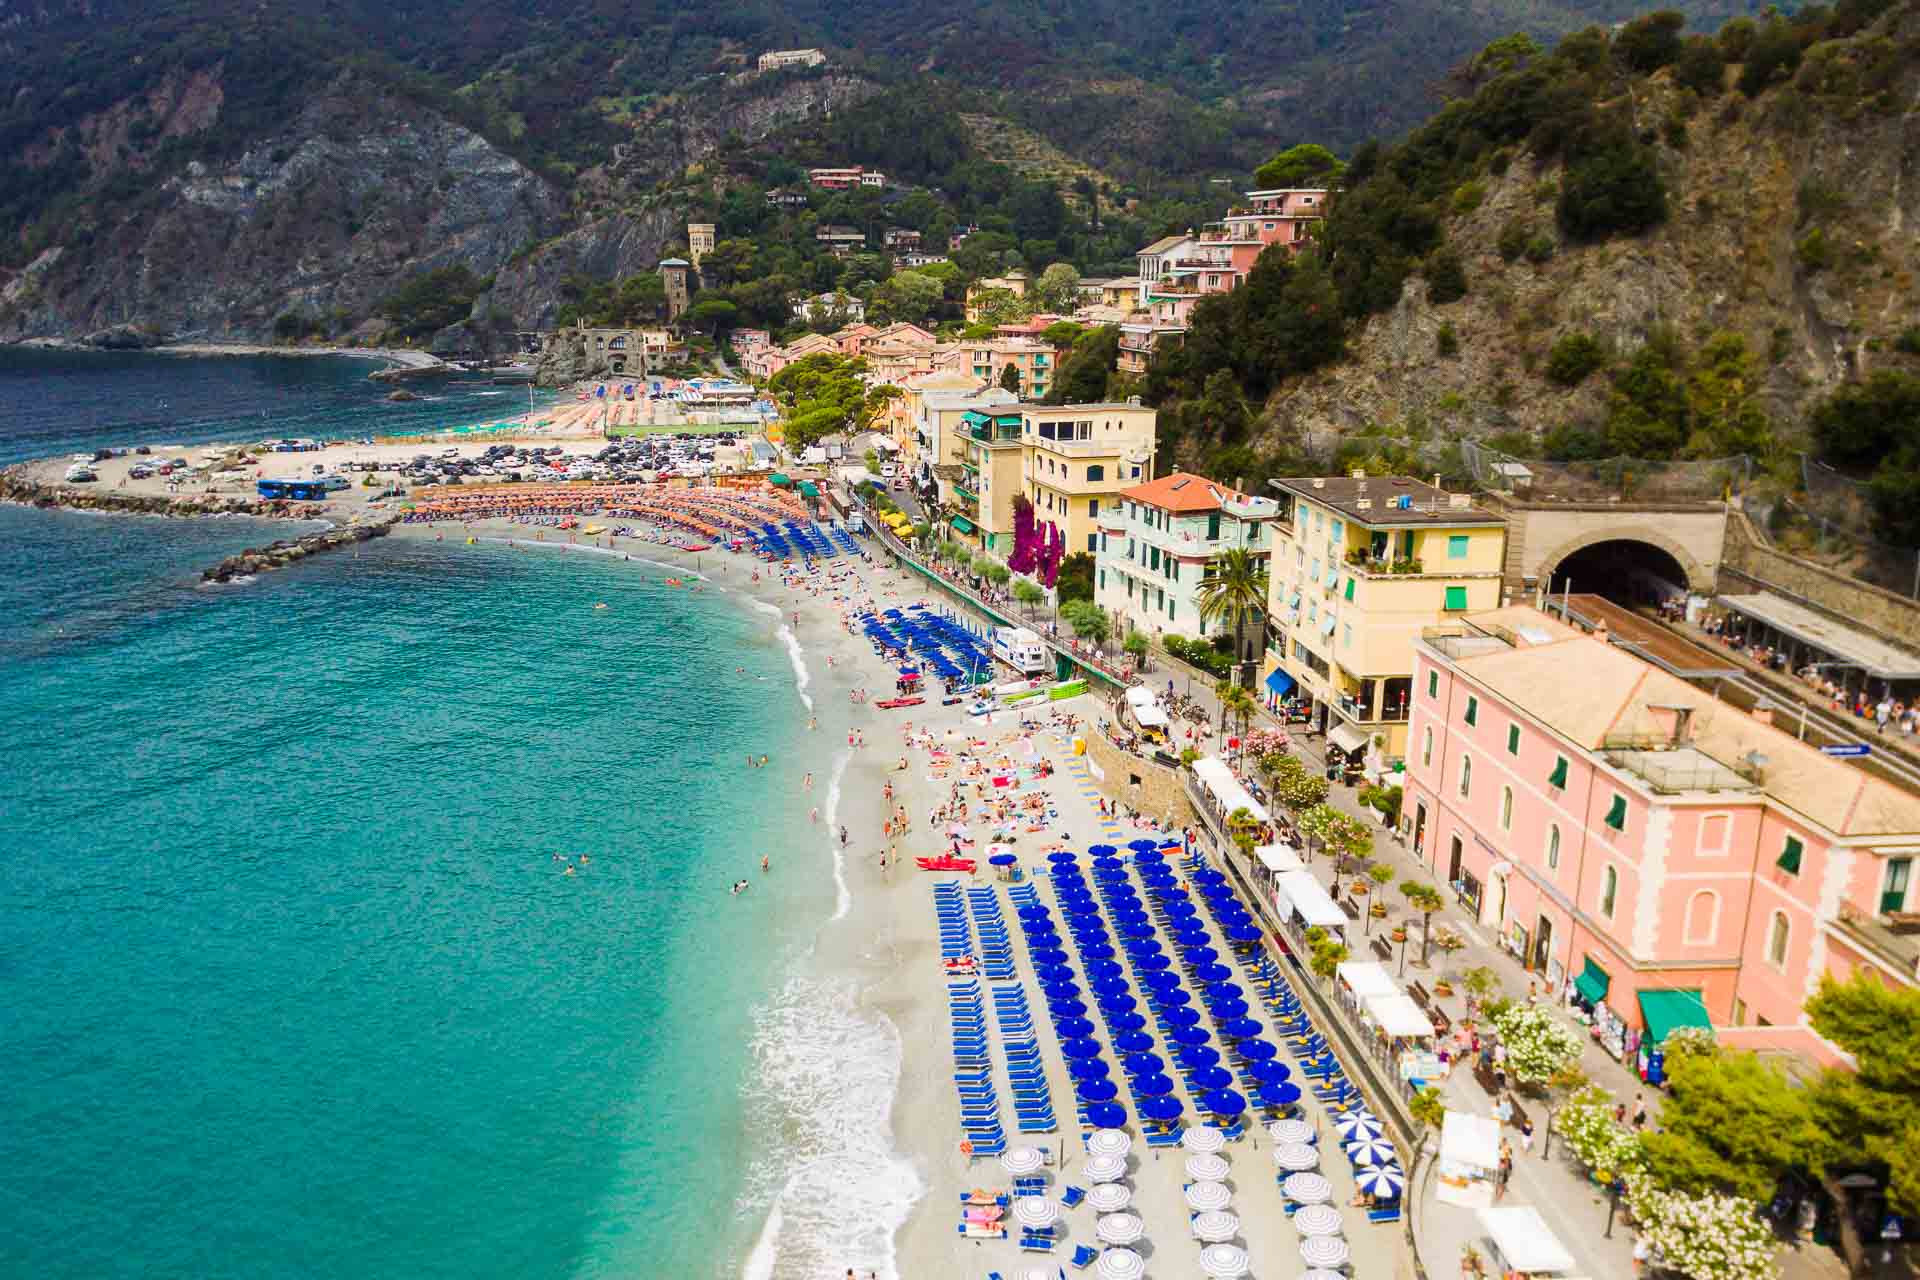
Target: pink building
<point x="1663" y="858"/>
<point x="1280" y="216"/>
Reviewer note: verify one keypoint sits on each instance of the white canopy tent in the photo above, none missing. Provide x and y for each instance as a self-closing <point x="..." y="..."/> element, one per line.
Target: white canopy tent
<point x="1278" y="857"/>
<point x="1219" y="782"/>
<point x="1150" y="716"/>
<point x="1367" y="978"/>
<point x="1470" y="1140"/>
<point x="1309" y="897"/>
<point x="1524" y="1240"/>
<point x="1399" y="1016"/>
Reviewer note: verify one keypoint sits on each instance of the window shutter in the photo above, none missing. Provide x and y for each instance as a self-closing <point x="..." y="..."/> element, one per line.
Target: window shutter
<point x="1473" y="711"/>
<point x="1617" y="814"/>
<point x="1558" y="778"/>
<point x="1789" y="859"/>
<point x="1513" y="739"/>
<point x="1349" y="588"/>
<point x="1456" y="599"/>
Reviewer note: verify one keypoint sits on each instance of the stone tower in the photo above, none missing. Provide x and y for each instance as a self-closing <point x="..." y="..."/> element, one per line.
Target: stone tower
<point x="699" y="241"/>
<point x="673" y="275"/>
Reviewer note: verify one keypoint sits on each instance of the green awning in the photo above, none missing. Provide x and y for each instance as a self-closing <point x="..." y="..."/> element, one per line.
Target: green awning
<point x="808" y="489"/>
<point x="962" y="525"/>
<point x="1593" y="982"/>
<point x="780" y="479"/>
<point x="1665" y="1010"/>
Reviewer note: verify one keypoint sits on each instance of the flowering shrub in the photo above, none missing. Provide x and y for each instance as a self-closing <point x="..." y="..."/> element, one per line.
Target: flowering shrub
<point x="1538" y="1044"/>
<point x="1587" y="1126"/>
<point x="1705" y="1237"/>
<point x="1261" y="743"/>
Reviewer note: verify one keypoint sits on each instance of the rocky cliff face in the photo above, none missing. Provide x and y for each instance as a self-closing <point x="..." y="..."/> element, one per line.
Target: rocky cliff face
<point x="358" y="191"/>
<point x="606" y="248"/>
<point x="1791" y="224"/>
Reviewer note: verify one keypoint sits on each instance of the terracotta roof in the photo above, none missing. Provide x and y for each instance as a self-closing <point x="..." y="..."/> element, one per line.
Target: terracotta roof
<point x="1182" y="492"/>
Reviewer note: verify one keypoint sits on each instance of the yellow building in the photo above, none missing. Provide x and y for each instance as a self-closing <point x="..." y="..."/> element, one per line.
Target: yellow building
<point x="1078" y="459"/>
<point x="1032" y="360"/>
<point x="1014" y="282"/>
<point x="1070" y="461"/>
<point x="1361" y="564"/>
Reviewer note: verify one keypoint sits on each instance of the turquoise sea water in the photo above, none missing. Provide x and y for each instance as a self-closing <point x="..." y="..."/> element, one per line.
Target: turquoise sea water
<point x="295" y="983"/>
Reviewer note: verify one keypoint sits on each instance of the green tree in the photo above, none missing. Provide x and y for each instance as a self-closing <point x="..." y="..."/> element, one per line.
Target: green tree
<point x="1650" y="41"/>
<point x="1062" y="334"/>
<point x="910" y="295"/>
<point x="1425" y="899"/>
<point x="1863" y="422"/>
<point x="1613" y="189"/>
<point x="1701" y="67"/>
<point x="1874" y="1109"/>
<point x="1082" y="375"/>
<point x="1574" y="356"/>
<point x="1138" y="647"/>
<point x="1771" y="59"/>
<point x="1010" y="379"/>
<point x="1029" y="594"/>
<point x="1428" y="1108"/>
<point x="1307" y="164"/>
<point x="1057" y="289"/>
<point x="1076" y="578"/>
<point x="1446" y="277"/>
<point x="713" y="315"/>
<point x="1234" y="591"/>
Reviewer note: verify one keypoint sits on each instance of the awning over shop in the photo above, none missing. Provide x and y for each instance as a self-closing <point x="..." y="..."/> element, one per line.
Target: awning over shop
<point x="780" y="479"/>
<point x="1524" y="1239"/>
<point x="1347" y="738"/>
<point x="1470" y="1140"/>
<point x="1665" y="1010"/>
<point x="1150" y="717"/>
<point x="1857" y="648"/>
<point x="962" y="525"/>
<point x="1399" y="1016"/>
<point x="1309" y="897"/>
<point x="808" y="489"/>
<point x="1367" y="978"/>
<point x="1593" y="982"/>
<point x="1279" y="682"/>
<point x="1278" y="857"/>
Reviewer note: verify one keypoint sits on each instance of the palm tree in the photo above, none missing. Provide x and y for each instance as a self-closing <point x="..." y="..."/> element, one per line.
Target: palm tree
<point x="1235" y="702"/>
<point x="1234" y="590"/>
<point x="1425" y="899"/>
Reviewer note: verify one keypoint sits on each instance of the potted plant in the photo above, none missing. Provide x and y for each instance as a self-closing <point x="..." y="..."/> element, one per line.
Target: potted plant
<point x="1399" y="933"/>
<point x="1379" y="911"/>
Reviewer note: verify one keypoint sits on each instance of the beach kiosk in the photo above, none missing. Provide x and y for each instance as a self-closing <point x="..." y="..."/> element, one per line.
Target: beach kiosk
<point x="1519" y="1244"/>
<point x="1147" y="714"/>
<point x="1469" y="1157"/>
<point x="1304" y="903"/>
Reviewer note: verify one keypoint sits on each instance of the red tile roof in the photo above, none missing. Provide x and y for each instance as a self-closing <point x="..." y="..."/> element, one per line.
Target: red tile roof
<point x="1182" y="493"/>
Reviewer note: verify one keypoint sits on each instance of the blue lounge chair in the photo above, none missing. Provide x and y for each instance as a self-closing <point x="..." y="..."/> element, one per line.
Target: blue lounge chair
<point x="1072" y="1196"/>
<point x="1084" y="1256"/>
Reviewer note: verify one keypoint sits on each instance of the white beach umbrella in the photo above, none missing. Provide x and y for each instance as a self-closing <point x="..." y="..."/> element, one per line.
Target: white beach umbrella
<point x="1356" y="1125"/>
<point x="1372" y="1151"/>
<point x="1106" y="1168"/>
<point x="1317" y="1220"/>
<point x="1121" y="1264"/>
<point x="1038" y="1211"/>
<point x="1215" y="1227"/>
<point x="1297" y="1156"/>
<point x="1207" y="1168"/>
<point x="1318" y="1273"/>
<point x="1307" y="1188"/>
<point x="1323" y="1251"/>
<point x="1108" y="1142"/>
<point x="1120" y="1228"/>
<point x="1022" y="1160"/>
<point x="1223" y="1261"/>
<point x="1202" y="1139"/>
<point x="1290" y="1131"/>
<point x="1110" y="1197"/>
<point x="1203" y="1197"/>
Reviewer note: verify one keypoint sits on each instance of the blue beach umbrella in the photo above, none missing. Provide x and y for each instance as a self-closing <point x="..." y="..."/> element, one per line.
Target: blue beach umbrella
<point x="1211" y="1077"/>
<point x="1223" y="990"/>
<point x="1384" y="1181"/>
<point x="1189" y="937"/>
<point x="1107" y="861"/>
<point x="1161" y="980"/>
<point x="1074" y="1028"/>
<point x="1143" y="1064"/>
<point x="1175" y="997"/>
<point x="1228" y="1010"/>
<point x="1277" y="1095"/>
<point x="1231" y="914"/>
<point x="1096" y="951"/>
<point x="1066" y="1008"/>
<point x="1106" y="1115"/>
<point x="1111" y="987"/>
<point x="1368" y="1151"/>
<point x="1152" y="853"/>
<point x="1034" y="911"/>
<point x="1256" y="1050"/>
<point x="1242" y="1028"/>
<point x="1065" y="989"/>
<point x="1122" y="1022"/>
<point x="1102" y="850"/>
<point x="1224" y="1102"/>
<point x="1163" y="1107"/>
<point x="1127" y="912"/>
<point x="1356" y="1125"/>
<point x="1182" y="1017"/>
<point x="1144" y="845"/>
<point x="1118" y="1004"/>
<point x="1098" y="969"/>
<point x="1002" y="860"/>
<point x="1180" y="910"/>
<point x="1154" y="1085"/>
<point x="1043" y="938"/>
<point x="1153" y="963"/>
<point x="1054" y="973"/>
<point x="1101" y="1090"/>
<point x="1243" y="933"/>
<point x="1137" y="947"/>
<point x="1189" y="1035"/>
<point x="1088" y="1068"/>
<point x="1136" y="929"/>
<point x="1133" y="1042"/>
<point x="1199" y="1056"/>
<point x="1210" y="971"/>
<point x="1270" y="1072"/>
<point x="1049" y="955"/>
<point x="1061" y="856"/>
<point x="1081" y="1047"/>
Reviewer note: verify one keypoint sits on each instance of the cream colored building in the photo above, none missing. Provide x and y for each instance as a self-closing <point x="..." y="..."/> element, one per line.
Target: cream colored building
<point x="1014" y="282"/>
<point x="1360" y="566"/>
<point x="699" y="241"/>
<point x="1157" y="542"/>
<point x="1033" y="360"/>
<point x="774" y="59"/>
<point x="1078" y="459"/>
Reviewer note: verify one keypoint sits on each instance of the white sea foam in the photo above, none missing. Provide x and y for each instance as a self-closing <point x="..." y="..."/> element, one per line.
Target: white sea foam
<point x="843" y="897"/>
<point x="801" y="676"/>
<point x="824" y="1078"/>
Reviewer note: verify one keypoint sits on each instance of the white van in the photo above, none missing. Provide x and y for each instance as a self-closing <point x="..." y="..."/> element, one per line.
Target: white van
<point x="1021" y="649"/>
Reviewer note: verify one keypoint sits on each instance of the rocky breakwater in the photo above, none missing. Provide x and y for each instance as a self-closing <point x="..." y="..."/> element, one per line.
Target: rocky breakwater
<point x="17" y="488"/>
<point x="278" y="555"/>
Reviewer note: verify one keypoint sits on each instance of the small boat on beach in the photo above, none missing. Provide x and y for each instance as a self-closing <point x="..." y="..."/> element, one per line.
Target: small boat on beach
<point x="891" y="704"/>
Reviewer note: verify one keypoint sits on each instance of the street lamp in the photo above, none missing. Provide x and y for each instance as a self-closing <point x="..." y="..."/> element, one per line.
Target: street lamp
<point x="1613" y="1204"/>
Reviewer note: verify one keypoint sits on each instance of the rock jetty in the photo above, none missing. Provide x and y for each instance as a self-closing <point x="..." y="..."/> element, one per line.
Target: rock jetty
<point x="278" y="555"/>
<point x="16" y="488"/>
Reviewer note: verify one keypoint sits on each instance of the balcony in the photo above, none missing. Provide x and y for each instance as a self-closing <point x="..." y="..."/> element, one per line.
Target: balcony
<point x="1893" y="938"/>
